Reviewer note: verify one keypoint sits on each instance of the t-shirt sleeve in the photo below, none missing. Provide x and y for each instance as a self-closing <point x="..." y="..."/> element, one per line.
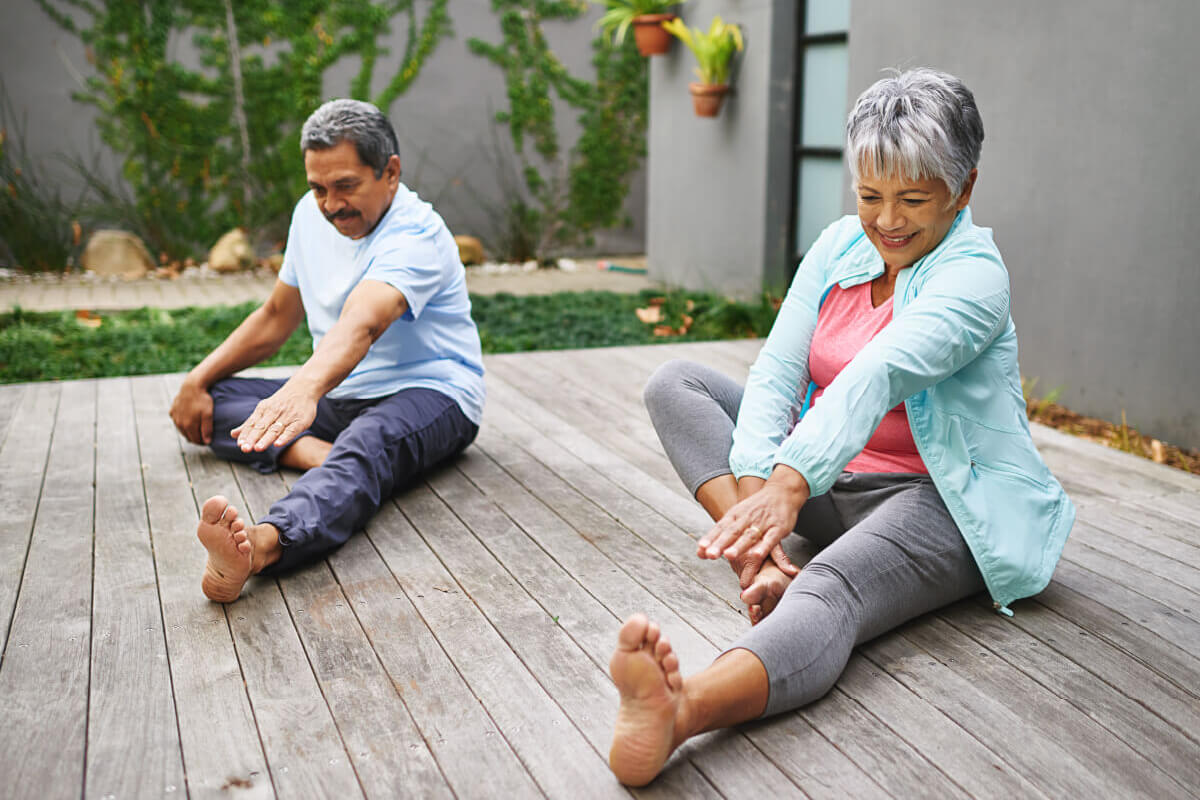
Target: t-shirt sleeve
<point x="411" y="264"/>
<point x="289" y="273"/>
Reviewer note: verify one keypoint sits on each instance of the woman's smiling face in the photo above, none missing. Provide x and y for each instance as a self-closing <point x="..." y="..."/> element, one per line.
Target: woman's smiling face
<point x="906" y="218"/>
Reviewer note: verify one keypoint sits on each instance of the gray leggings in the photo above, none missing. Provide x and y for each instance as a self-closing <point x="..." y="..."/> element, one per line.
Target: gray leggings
<point x="889" y="549"/>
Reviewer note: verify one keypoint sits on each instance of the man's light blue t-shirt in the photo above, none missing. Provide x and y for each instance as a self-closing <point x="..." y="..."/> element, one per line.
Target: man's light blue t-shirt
<point x="435" y="344"/>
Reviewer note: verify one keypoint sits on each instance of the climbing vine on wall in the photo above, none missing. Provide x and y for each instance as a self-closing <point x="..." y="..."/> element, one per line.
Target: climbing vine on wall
<point x="198" y="157"/>
<point x="567" y="196"/>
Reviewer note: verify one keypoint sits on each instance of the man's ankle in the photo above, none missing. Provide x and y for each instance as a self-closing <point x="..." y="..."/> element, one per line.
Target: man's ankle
<point x="266" y="547"/>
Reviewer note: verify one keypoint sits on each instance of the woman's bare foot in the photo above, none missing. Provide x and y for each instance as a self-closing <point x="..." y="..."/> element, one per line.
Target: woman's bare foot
<point x="223" y="535"/>
<point x="652" y="710"/>
<point x="763" y="594"/>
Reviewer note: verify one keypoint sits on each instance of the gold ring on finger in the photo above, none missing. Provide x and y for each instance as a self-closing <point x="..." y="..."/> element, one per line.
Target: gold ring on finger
<point x="754" y="532"/>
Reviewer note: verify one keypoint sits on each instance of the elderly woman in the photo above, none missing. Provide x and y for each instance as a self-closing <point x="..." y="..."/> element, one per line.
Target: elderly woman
<point x="883" y="421"/>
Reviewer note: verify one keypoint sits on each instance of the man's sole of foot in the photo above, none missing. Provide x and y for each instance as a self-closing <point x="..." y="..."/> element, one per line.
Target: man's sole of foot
<point x="223" y="535"/>
<point x="646" y="672"/>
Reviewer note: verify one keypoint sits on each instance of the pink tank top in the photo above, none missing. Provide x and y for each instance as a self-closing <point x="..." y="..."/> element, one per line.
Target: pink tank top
<point x="846" y="322"/>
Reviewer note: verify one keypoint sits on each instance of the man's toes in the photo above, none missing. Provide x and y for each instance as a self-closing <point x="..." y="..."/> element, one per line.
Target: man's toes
<point x="633" y="632"/>
<point x="214" y="509"/>
<point x="238" y="525"/>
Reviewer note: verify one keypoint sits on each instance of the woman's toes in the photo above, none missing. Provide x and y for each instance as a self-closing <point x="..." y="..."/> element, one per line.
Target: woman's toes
<point x="633" y="632"/>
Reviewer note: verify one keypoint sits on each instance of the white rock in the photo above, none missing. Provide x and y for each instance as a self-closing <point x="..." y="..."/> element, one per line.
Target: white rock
<point x="110" y="252"/>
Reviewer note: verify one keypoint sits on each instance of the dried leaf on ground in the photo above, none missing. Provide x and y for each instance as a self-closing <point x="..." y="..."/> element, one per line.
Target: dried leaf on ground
<point x="649" y="315"/>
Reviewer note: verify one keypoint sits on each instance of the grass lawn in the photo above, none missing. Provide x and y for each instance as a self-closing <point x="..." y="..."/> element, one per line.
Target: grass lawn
<point x="37" y="346"/>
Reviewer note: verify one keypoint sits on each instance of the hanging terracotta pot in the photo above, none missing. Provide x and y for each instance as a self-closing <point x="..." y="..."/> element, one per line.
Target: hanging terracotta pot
<point x="648" y="32"/>
<point x="707" y="97"/>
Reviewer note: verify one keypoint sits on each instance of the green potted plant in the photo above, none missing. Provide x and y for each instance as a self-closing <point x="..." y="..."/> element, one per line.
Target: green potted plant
<point x="646" y="17"/>
<point x="714" y="51"/>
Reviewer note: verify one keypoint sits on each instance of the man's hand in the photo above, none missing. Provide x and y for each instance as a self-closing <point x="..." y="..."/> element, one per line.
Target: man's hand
<point x="753" y="529"/>
<point x="277" y="419"/>
<point x="192" y="412"/>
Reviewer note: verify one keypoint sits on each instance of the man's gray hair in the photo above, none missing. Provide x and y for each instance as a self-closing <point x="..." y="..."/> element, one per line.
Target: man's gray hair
<point x="917" y="124"/>
<point x="355" y="121"/>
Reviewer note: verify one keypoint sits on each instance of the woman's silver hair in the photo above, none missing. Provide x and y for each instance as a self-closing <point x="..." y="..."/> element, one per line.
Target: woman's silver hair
<point x="917" y="124"/>
<point x="355" y="121"/>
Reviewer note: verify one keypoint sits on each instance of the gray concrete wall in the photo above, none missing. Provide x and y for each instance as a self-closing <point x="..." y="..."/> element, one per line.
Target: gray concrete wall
<point x="718" y="189"/>
<point x="445" y="121"/>
<point x="1089" y="178"/>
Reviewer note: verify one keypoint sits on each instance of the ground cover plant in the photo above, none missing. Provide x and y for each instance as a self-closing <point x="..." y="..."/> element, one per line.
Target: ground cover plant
<point x="69" y="345"/>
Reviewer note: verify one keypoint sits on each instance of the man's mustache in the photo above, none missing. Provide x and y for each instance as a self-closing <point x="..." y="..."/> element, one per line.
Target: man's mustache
<point x="343" y="214"/>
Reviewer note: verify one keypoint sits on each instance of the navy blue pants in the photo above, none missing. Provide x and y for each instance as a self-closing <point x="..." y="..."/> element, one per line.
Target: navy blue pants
<point x="379" y="446"/>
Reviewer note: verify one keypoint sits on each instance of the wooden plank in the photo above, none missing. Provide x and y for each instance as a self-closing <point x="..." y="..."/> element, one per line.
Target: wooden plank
<point x="22" y="466"/>
<point x="965" y="760"/>
<point x="639" y="447"/>
<point x="1091" y="691"/>
<point x="44" y="677"/>
<point x="1127" y="633"/>
<point x="222" y="753"/>
<point x="989" y="715"/>
<point x="10" y="400"/>
<point x="456" y="728"/>
<point x="894" y="764"/>
<point x="587" y="695"/>
<point x="1155" y="616"/>
<point x="705" y="610"/>
<point x="556" y="754"/>
<point x="304" y="751"/>
<point x="131" y="710"/>
<point x="669" y="498"/>
<point x="669" y="539"/>
<point x="1146" y="529"/>
<point x="1103" y="755"/>
<point x="1093" y="548"/>
<point x="385" y="747"/>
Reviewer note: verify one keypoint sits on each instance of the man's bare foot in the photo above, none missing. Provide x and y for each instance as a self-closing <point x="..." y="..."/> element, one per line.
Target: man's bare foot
<point x="646" y="672"/>
<point x="305" y="453"/>
<point x="223" y="535"/>
<point x="763" y="594"/>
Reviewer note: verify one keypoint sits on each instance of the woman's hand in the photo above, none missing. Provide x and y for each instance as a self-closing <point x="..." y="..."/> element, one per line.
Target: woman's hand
<point x="753" y="529"/>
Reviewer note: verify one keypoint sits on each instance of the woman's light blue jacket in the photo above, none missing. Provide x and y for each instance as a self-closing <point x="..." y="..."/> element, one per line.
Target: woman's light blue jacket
<point x="950" y="355"/>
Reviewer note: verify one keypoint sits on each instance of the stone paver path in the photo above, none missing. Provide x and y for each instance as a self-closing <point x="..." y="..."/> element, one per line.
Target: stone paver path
<point x="204" y="288"/>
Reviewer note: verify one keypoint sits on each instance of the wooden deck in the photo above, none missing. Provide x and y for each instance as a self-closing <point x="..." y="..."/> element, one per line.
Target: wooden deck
<point x="460" y="647"/>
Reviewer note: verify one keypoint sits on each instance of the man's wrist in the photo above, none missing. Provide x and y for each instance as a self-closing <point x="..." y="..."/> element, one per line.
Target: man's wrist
<point x="194" y="382"/>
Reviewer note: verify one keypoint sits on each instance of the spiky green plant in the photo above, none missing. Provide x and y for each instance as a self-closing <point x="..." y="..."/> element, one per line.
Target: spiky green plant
<point x="620" y="14"/>
<point x="713" y="49"/>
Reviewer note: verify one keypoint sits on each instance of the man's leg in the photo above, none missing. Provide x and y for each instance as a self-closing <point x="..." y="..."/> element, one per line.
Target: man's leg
<point x="236" y="550"/>
<point x="385" y="447"/>
<point x="234" y="400"/>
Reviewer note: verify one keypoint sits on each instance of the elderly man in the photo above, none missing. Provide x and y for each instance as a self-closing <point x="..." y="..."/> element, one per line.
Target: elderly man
<point x="395" y="382"/>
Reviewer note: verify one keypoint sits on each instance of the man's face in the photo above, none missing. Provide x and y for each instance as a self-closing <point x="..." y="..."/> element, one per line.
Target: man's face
<point x="346" y="189"/>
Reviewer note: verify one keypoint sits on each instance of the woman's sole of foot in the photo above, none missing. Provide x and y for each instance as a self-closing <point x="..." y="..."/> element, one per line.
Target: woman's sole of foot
<point x="646" y="672"/>
<point x="223" y="535"/>
<point x="764" y="593"/>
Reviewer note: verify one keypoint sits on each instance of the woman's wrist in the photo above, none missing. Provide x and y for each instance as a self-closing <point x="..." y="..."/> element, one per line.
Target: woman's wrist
<point x="790" y="481"/>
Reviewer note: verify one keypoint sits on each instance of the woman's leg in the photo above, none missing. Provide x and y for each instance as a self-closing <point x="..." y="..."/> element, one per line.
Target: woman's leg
<point x="693" y="409"/>
<point x="903" y="558"/>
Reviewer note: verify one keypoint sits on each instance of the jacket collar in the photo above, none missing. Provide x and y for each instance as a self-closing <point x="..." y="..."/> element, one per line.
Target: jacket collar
<point x="859" y="261"/>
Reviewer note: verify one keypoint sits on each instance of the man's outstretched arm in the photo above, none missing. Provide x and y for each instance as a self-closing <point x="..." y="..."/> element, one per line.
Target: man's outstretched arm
<point x="258" y="337"/>
<point x="367" y="313"/>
